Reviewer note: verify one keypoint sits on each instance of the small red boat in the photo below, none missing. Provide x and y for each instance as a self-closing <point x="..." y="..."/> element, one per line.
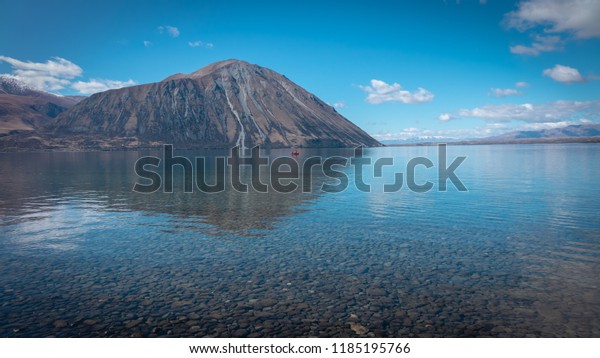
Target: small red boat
<point x="295" y="153"/>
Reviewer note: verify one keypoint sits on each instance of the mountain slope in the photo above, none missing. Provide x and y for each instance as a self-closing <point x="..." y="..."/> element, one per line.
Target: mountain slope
<point x="577" y="130"/>
<point x="221" y="105"/>
<point x="25" y="109"/>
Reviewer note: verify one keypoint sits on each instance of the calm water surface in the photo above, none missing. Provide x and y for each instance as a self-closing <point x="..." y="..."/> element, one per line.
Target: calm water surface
<point x="517" y="255"/>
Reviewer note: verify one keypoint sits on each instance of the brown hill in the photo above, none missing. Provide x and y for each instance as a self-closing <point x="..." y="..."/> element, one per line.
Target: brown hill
<point x="26" y="109"/>
<point x="221" y="105"/>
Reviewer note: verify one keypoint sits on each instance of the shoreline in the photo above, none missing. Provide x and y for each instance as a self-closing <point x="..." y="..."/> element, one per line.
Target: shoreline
<point x="72" y="146"/>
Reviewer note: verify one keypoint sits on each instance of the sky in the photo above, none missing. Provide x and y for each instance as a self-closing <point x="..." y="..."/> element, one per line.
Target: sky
<point x="398" y="69"/>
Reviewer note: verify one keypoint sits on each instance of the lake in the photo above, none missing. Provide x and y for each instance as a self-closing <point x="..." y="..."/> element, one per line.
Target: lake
<point x="516" y="255"/>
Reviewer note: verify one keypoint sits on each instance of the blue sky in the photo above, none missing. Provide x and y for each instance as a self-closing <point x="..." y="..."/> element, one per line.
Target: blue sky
<point x="398" y="69"/>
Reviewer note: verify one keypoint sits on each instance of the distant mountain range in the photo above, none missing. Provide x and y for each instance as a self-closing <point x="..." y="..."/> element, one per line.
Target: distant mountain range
<point x="571" y="133"/>
<point x="25" y="109"/>
<point x="576" y="130"/>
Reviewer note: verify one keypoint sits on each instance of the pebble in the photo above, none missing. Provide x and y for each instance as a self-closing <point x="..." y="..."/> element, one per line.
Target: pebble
<point x="132" y="324"/>
<point x="60" y="323"/>
<point x="358" y="328"/>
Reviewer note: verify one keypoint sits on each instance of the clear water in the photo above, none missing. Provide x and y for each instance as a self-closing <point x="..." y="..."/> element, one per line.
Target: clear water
<point x="518" y="255"/>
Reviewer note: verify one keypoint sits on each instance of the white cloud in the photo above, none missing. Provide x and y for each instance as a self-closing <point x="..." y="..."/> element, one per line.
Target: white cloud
<point x="339" y="104"/>
<point x="422" y="134"/>
<point x="58" y="67"/>
<point x="380" y="92"/>
<point x="522" y="84"/>
<point x="577" y="17"/>
<point x="147" y="43"/>
<point x="57" y="74"/>
<point x="445" y="117"/>
<point x="539" y="45"/>
<point x="200" y="44"/>
<point x="170" y="30"/>
<point x="404" y="134"/>
<point x="505" y="92"/>
<point x="564" y="74"/>
<point x="100" y="85"/>
<point x="533" y="113"/>
<point x="52" y="75"/>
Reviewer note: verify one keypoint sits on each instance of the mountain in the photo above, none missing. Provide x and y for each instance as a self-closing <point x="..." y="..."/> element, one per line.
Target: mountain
<point x="11" y="85"/>
<point x="577" y="130"/>
<point x="224" y="104"/>
<point x="578" y="133"/>
<point x="23" y="108"/>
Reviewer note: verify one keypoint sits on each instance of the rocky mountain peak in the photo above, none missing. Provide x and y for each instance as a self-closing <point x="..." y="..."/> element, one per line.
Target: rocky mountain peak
<point x="217" y="68"/>
<point x="12" y="85"/>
